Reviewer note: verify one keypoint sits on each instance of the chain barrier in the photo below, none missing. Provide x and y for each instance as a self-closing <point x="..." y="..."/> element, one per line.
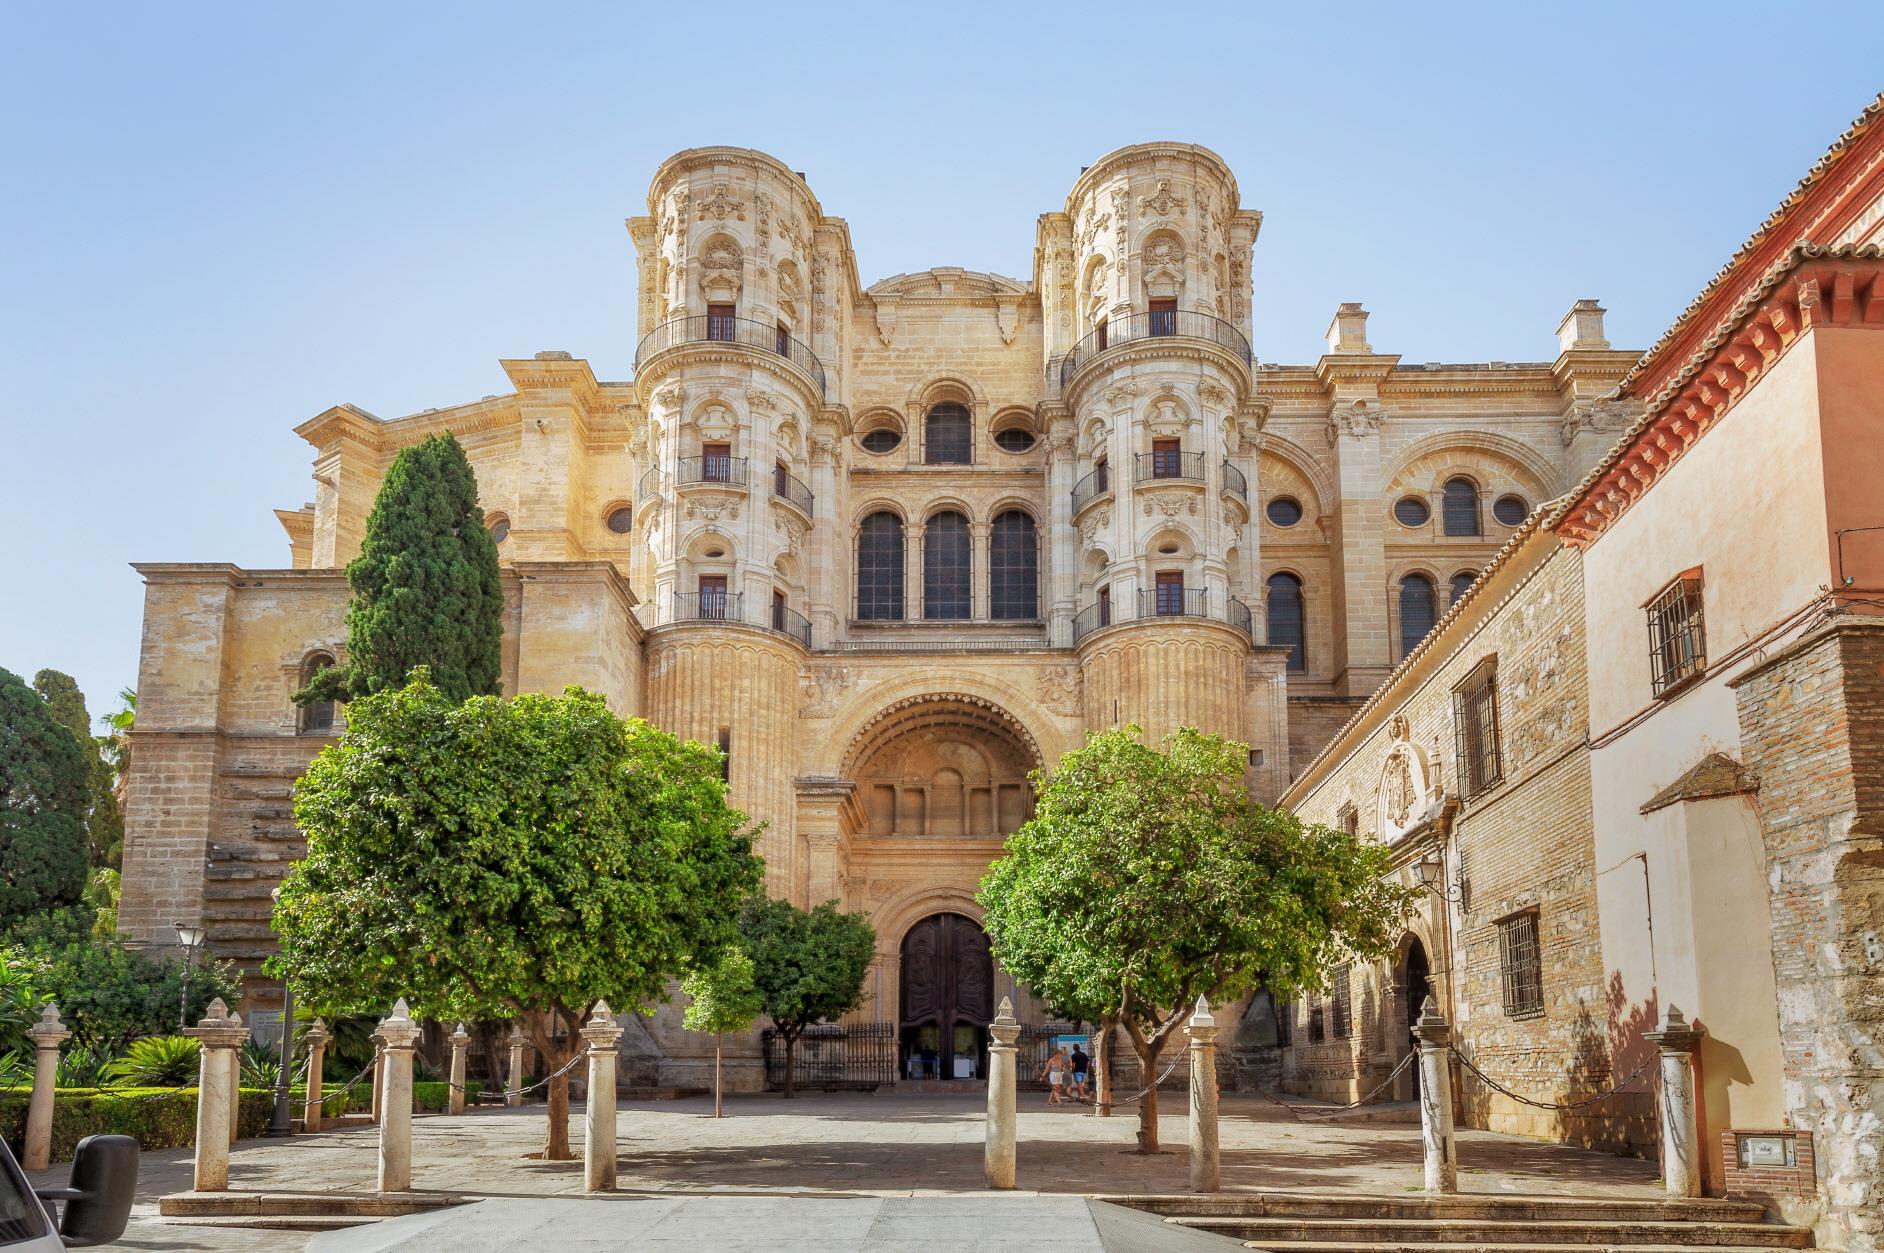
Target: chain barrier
<point x="555" y="1074"/>
<point x="1141" y="1093"/>
<point x="1562" y="1106"/>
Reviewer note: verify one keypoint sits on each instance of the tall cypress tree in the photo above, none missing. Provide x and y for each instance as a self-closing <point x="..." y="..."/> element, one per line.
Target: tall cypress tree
<point x="425" y="585"/>
<point x="104" y="825"/>
<point x="42" y="805"/>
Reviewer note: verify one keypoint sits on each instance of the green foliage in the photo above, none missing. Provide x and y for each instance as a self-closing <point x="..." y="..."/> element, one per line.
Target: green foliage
<point x="500" y="858"/>
<point x="157" y="1118"/>
<point x="808" y="965"/>
<point x="16" y="1068"/>
<point x="722" y="997"/>
<point x="1149" y="877"/>
<point x="104" y="825"/>
<point x="83" y="1066"/>
<point x="42" y="805"/>
<point x="261" y="1065"/>
<point x="19" y="1002"/>
<point x="157" y="1061"/>
<point x="101" y="896"/>
<point x="108" y="993"/>
<point x="425" y="585"/>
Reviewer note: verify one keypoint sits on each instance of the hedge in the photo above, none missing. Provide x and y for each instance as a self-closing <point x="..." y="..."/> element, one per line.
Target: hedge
<point x="165" y="1118"/>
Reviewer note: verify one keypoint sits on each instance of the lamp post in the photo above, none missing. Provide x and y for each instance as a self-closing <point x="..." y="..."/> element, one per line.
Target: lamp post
<point x="192" y="939"/>
<point x="1431" y="870"/>
<point x="281" y="1122"/>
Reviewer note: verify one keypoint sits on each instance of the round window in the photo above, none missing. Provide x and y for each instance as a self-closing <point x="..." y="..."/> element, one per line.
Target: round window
<point x="1014" y="439"/>
<point x="883" y="439"/>
<point x="1284" y="511"/>
<point x="1411" y="511"/>
<point x="622" y="520"/>
<point x="500" y="530"/>
<point x="1511" y="510"/>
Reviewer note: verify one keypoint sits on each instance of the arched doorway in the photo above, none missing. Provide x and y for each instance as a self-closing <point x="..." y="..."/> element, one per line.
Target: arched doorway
<point x="1415" y="986"/>
<point x="947" y="999"/>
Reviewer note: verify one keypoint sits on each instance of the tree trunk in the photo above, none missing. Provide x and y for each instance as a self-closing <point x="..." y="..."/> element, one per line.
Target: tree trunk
<point x="1102" y="1057"/>
<point x="556" y="1146"/>
<point x="556" y="1052"/>
<point x="1148" y="1105"/>
<point x="791" y="1057"/>
<point x="717" y="1111"/>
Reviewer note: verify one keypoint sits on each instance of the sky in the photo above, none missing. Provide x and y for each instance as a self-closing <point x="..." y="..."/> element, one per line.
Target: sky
<point x="219" y="220"/>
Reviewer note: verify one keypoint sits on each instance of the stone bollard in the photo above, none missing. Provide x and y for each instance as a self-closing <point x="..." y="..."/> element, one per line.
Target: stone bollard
<point x="459" y="1041"/>
<point x="47" y="1035"/>
<point x="1442" y="1155"/>
<point x="395" y="1115"/>
<point x="221" y="1036"/>
<point x="998" y="1153"/>
<point x="602" y="1033"/>
<point x="317" y="1037"/>
<point x="1206" y="1160"/>
<point x="234" y="1074"/>
<point x="513" y="1091"/>
<point x="1681" y="1135"/>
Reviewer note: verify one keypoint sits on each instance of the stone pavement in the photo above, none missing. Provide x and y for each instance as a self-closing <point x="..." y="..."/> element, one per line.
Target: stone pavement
<point x="834" y="1145"/>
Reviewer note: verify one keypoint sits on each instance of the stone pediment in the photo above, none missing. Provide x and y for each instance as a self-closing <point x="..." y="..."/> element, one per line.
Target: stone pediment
<point x="946" y="282"/>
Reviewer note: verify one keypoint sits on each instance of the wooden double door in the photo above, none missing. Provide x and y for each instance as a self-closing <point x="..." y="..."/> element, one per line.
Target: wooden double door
<point x="947" y="999"/>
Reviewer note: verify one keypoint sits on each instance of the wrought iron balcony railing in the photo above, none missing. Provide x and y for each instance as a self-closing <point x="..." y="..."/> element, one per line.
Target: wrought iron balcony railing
<point x="718" y="328"/>
<point x="1186" y="467"/>
<point x="1092" y="487"/>
<point x="1235" y="482"/>
<point x="709" y="605"/>
<point x="711" y="469"/>
<point x="649" y="484"/>
<point x="1165" y="602"/>
<point x="787" y="487"/>
<point x="1118" y="332"/>
<point x="788" y="621"/>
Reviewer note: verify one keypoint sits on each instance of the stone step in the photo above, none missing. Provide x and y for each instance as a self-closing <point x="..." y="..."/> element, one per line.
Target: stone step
<point x="1589" y="1233"/>
<point x="1388" y="1246"/>
<point x="274" y="1222"/>
<point x="363" y="1206"/>
<point x="1462" y="1205"/>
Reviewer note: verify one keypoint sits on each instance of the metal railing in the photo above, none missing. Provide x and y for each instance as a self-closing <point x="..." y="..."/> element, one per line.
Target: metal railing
<point x="831" y="1056"/>
<point x="1118" y="332"/>
<point x="1235" y="482"/>
<point x="710" y="605"/>
<point x="730" y="471"/>
<point x="649" y="484"/>
<point x="1173" y="602"/>
<point x="717" y="328"/>
<point x="1092" y="487"/>
<point x="788" y="621"/>
<point x="1168" y="602"/>
<point x="788" y="488"/>
<point x="1186" y="467"/>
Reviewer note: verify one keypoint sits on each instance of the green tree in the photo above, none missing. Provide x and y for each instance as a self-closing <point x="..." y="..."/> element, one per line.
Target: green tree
<point x="509" y="859"/>
<point x="115" y="744"/>
<point x="808" y="965"/>
<point x="425" y="585"/>
<point x="104" y="824"/>
<point x="720" y="998"/>
<point x="42" y="805"/>
<point x="1149" y="877"/>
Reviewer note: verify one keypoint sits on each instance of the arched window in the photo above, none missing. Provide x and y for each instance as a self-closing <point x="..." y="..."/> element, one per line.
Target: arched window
<point x="1460" y="581"/>
<point x="880" y="567"/>
<point x="1418" y="611"/>
<point x="1461" y="507"/>
<point x="1014" y="567"/>
<point x="946" y="437"/>
<point x="317" y="717"/>
<point x="947" y="568"/>
<point x="1288" y="622"/>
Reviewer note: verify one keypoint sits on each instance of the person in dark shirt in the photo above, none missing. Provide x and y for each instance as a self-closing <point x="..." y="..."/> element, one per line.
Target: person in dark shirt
<point x="1081" y="1069"/>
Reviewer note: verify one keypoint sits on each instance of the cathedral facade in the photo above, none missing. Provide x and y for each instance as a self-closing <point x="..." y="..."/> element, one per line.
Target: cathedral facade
<point x="893" y="547"/>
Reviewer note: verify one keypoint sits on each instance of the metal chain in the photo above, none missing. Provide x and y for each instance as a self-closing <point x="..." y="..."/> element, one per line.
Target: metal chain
<point x="1492" y="1083"/>
<point x="1141" y="1093"/>
<point x="556" y="1074"/>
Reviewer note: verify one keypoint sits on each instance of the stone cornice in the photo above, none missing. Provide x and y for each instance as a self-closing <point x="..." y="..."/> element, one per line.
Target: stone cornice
<point x="1160" y="349"/>
<point x="580" y="572"/>
<point x="762" y="162"/>
<point x="546" y="372"/>
<point x="716" y="352"/>
<point x="1162" y="150"/>
<point x="1335" y="369"/>
<point x="342" y="421"/>
<point x="1810" y="286"/>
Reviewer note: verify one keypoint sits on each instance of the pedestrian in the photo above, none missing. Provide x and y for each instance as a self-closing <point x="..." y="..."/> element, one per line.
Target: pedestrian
<point x="1054" y="1072"/>
<point x="1081" y="1065"/>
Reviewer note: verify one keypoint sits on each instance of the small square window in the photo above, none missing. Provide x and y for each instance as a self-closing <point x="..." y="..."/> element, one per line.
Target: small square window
<point x="1520" y="965"/>
<point x="1677" y="634"/>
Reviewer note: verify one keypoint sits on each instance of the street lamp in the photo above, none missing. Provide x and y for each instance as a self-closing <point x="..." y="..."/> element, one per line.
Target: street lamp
<point x="192" y="939"/>
<point x="281" y="1122"/>
<point x="1431" y="869"/>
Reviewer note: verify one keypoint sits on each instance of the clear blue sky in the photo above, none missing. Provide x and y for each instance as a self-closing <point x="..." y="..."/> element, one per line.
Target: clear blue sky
<point x="220" y="220"/>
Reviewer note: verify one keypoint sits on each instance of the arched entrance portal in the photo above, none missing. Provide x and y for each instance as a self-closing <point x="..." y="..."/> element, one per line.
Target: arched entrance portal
<point x="1415" y="986"/>
<point x="947" y="999"/>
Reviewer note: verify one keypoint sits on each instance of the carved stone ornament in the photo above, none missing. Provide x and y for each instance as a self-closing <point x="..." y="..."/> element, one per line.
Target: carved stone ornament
<point x="1164" y="253"/>
<point x="761" y="401"/>
<point x="1215" y="395"/>
<point x="712" y="508"/>
<point x="1358" y="419"/>
<point x="826" y="449"/>
<point x="671" y="397"/>
<point x="791" y="533"/>
<point x="886" y="321"/>
<point x="1407" y="796"/>
<point x="1169" y="503"/>
<point x="721" y="254"/>
<point x="1604" y="416"/>
<point x="823" y="687"/>
<point x="722" y="205"/>
<point x="1162" y="201"/>
<point x="1059" y="690"/>
<point x="1120" y="395"/>
<point x="1007" y="317"/>
<point x="1097" y="521"/>
<point x="1166" y="418"/>
<point x="1399" y="728"/>
<point x="715" y="419"/>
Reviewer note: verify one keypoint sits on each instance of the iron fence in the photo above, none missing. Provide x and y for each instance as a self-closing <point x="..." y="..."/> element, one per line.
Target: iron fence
<point x="833" y="1056"/>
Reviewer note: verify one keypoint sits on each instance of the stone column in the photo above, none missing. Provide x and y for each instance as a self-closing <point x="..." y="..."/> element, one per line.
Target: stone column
<point x="399" y="1033"/>
<point x="1681" y="1135"/>
<point x="602" y="1033"/>
<point x="221" y="1036"/>
<point x="455" y="1101"/>
<point x="317" y="1037"/>
<point x="1442" y="1159"/>
<point x="1206" y="1162"/>
<point x="513" y="1094"/>
<point x="998" y="1153"/>
<point x="47" y="1035"/>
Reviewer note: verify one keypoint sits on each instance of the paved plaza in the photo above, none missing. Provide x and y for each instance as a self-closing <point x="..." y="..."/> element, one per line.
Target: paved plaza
<point x="871" y="1145"/>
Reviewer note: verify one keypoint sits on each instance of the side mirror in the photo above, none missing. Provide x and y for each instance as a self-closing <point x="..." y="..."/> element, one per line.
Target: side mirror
<point x="98" y="1202"/>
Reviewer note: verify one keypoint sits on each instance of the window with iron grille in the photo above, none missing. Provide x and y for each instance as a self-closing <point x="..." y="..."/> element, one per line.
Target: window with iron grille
<point x="1343" y="1003"/>
<point x="1418" y="611"/>
<point x="1285" y="1024"/>
<point x="1677" y="634"/>
<point x="316" y="717"/>
<point x="947" y="439"/>
<point x="1013" y="567"/>
<point x="880" y="567"/>
<point x="1475" y="726"/>
<point x="1317" y="1029"/>
<point x="1288" y="622"/>
<point x="1348" y="818"/>
<point x="1520" y="965"/>
<point x="947" y="568"/>
<point x="1460" y="507"/>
